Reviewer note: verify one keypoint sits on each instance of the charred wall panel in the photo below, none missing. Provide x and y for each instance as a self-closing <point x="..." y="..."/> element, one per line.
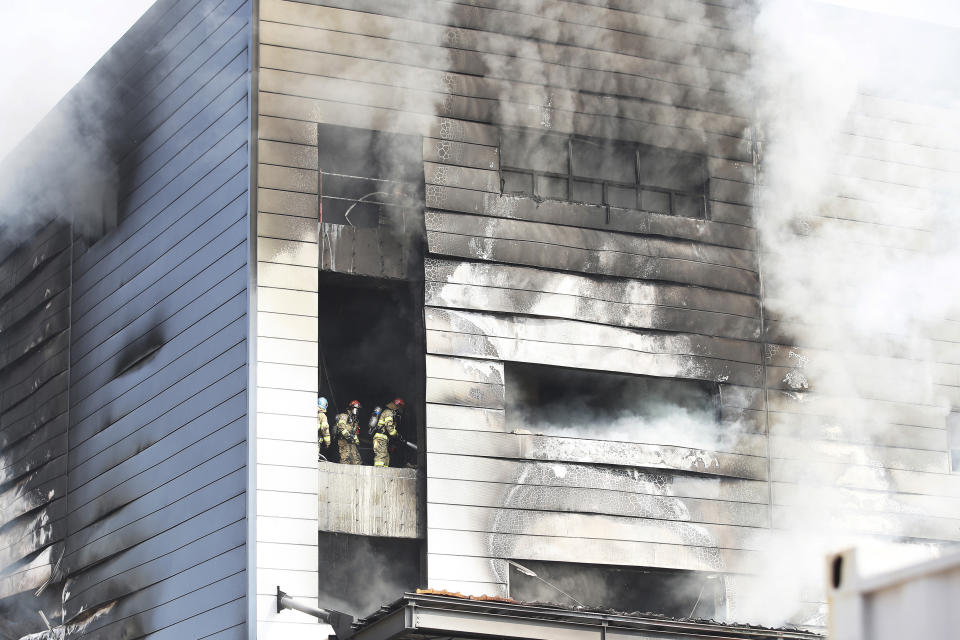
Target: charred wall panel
<point x="553" y="282"/>
<point x="144" y="378"/>
<point x="586" y="278"/>
<point x="609" y="286"/>
<point x="34" y="333"/>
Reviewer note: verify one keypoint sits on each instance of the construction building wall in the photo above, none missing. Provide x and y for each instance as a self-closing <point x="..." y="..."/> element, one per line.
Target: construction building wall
<point x="287" y="371"/>
<point x="580" y="238"/>
<point x="513" y="279"/>
<point x="125" y="372"/>
<point x="573" y="277"/>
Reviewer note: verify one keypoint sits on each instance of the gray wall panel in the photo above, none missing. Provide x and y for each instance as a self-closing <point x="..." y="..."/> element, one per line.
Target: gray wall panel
<point x="220" y="231"/>
<point x="212" y="191"/>
<point x="134" y="491"/>
<point x="108" y="355"/>
<point x="541" y="254"/>
<point x="525" y="446"/>
<point x="190" y="61"/>
<point x="191" y="542"/>
<point x="157" y="406"/>
<point x="170" y="363"/>
<point x="599" y="501"/>
<point x="138" y="475"/>
<point x="33" y="419"/>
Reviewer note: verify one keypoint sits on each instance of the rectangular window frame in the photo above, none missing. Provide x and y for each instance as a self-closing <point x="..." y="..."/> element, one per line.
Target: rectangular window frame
<point x="638" y="186"/>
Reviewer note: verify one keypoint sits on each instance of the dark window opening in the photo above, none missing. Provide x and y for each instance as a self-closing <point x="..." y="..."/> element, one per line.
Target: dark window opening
<point x="670" y="592"/>
<point x="358" y="574"/>
<point x="609" y="406"/>
<point x="371" y="203"/>
<point x="371" y="343"/>
<point x="369" y="178"/>
<point x="603" y="172"/>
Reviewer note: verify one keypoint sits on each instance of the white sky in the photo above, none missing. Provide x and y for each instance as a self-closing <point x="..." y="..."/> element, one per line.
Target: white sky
<point x="49" y="45"/>
<point x="942" y="12"/>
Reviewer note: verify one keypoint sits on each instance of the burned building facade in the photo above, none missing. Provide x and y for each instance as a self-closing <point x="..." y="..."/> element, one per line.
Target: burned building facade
<point x="539" y="224"/>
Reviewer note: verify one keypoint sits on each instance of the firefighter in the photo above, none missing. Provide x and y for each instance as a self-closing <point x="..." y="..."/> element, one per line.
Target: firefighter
<point x="386" y="429"/>
<point x="323" y="426"/>
<point x="348" y="434"/>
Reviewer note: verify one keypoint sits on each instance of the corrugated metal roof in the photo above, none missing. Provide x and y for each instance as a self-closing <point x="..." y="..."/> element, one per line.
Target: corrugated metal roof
<point x="429" y="613"/>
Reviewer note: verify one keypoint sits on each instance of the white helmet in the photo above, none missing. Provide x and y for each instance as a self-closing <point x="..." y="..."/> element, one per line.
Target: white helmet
<point x="322" y="403"/>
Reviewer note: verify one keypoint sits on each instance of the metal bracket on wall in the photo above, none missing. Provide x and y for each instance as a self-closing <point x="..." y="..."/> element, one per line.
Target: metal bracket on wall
<point x="342" y="623"/>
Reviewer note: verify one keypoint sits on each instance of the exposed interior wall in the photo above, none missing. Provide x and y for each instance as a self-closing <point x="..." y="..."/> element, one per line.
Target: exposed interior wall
<point x="142" y="529"/>
<point x="358" y="574"/>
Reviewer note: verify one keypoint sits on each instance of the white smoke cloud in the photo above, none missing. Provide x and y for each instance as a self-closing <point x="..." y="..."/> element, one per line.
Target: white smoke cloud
<point x="860" y="238"/>
<point x="54" y="44"/>
<point x="857" y="114"/>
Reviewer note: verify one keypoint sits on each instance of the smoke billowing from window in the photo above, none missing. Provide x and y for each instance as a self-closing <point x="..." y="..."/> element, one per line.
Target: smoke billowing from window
<point x="64" y="170"/>
<point x="682" y="594"/>
<point x="593" y="405"/>
<point x="359" y="574"/>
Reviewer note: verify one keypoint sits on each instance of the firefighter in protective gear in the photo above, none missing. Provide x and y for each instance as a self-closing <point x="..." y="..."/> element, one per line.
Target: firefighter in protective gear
<point x="348" y="434"/>
<point x="323" y="425"/>
<point x="386" y="429"/>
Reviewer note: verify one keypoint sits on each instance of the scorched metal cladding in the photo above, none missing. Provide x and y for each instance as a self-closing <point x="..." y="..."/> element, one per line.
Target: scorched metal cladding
<point x="123" y="342"/>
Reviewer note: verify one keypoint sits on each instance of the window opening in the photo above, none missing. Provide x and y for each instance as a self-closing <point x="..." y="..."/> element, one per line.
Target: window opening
<point x="369" y="178"/>
<point x="603" y="172"/>
<point x="671" y="592"/>
<point x="370" y="283"/>
<point x="371" y="343"/>
<point x="600" y="405"/>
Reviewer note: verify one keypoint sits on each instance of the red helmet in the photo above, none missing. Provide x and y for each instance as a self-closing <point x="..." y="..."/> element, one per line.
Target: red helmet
<point x="354" y="404"/>
<point x="398" y="403"/>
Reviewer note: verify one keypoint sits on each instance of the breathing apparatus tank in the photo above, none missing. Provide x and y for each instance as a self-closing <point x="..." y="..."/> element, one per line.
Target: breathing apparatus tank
<point x="374" y="419"/>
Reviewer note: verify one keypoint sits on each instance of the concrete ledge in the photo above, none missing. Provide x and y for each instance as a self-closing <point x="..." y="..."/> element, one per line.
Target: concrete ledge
<point x="369" y="501"/>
